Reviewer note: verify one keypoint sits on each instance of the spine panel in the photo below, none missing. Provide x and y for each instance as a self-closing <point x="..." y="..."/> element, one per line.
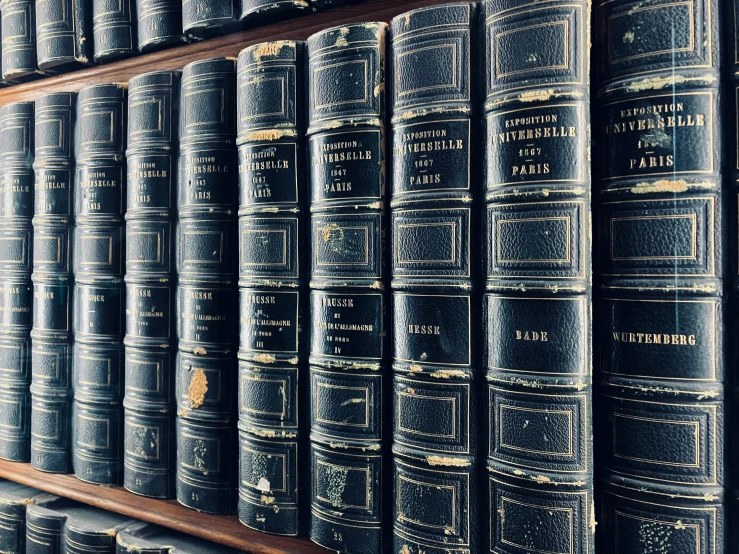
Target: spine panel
<point x="113" y="29"/>
<point x="159" y="24"/>
<point x="63" y="33"/>
<point x="19" y="38"/>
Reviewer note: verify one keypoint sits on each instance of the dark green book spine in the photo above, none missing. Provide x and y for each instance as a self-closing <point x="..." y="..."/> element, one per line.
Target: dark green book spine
<point x="19" y="42"/>
<point x="113" y="29"/>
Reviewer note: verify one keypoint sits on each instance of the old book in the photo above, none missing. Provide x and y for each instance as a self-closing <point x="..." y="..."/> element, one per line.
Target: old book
<point x="18" y="38"/>
<point x="537" y="306"/>
<point x="661" y="305"/>
<point x="100" y="188"/>
<point x="159" y="24"/>
<point x="435" y="277"/>
<point x="145" y="538"/>
<point x="14" y="499"/>
<point x="53" y="283"/>
<point x="257" y="12"/>
<point x="16" y="289"/>
<point x="207" y="307"/>
<point x="273" y="271"/>
<point x="349" y="377"/>
<point x="206" y="18"/>
<point x="63" y="33"/>
<point x="113" y="29"/>
<point x="151" y="278"/>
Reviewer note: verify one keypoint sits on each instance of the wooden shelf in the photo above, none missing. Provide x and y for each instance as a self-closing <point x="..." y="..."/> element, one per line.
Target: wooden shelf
<point x="298" y="28"/>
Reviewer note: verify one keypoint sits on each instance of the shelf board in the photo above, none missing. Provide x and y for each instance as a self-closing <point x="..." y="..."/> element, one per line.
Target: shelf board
<point x="297" y="28"/>
<point x="226" y="530"/>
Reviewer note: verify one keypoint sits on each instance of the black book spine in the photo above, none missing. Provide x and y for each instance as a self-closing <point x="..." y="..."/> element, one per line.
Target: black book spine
<point x="113" y="29"/>
<point x="53" y="283"/>
<point x="207" y="307"/>
<point x="19" y="38"/>
<point x="63" y="32"/>
<point x="273" y="271"/>
<point x="661" y="266"/>
<point x="150" y="341"/>
<point x="435" y="259"/>
<point x="537" y="350"/>
<point x="206" y="18"/>
<point x="16" y="289"/>
<point x="100" y="201"/>
<point x="260" y="11"/>
<point x="159" y="24"/>
<point x="44" y="531"/>
<point x="349" y="377"/>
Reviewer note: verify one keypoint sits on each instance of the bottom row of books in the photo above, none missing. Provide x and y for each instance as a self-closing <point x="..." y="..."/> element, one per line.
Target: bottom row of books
<point x="35" y="522"/>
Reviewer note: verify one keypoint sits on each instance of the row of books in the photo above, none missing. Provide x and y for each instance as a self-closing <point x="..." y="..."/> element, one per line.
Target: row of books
<point x="45" y="36"/>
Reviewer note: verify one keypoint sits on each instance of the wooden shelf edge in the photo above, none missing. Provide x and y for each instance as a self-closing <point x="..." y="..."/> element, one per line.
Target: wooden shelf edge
<point x="226" y="530"/>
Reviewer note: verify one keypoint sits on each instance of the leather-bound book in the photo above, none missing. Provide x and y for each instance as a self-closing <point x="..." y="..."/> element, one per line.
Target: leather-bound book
<point x="273" y="271"/>
<point x="151" y="278"/>
<point x="256" y="12"/>
<point x="53" y="283"/>
<point x="14" y="499"/>
<point x="63" y="33"/>
<point x="159" y="24"/>
<point x="100" y="200"/>
<point x="661" y="266"/>
<point x="145" y="538"/>
<point x="16" y="289"/>
<point x="349" y="369"/>
<point x="435" y="91"/>
<point x="207" y="306"/>
<point x="18" y="38"/>
<point x="537" y="350"/>
<point x="113" y="29"/>
<point x="206" y="18"/>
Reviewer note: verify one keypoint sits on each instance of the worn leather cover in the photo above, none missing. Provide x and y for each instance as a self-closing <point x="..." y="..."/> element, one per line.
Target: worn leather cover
<point x="349" y="373"/>
<point x="537" y="307"/>
<point x="206" y="293"/>
<point x="159" y="24"/>
<point x="113" y="29"/>
<point x="661" y="306"/>
<point x="18" y="38"/>
<point x="63" y="33"/>
<point x="13" y="501"/>
<point x="206" y="18"/>
<point x="150" y="340"/>
<point x="273" y="296"/>
<point x="145" y="538"/>
<point x="258" y="12"/>
<point x="435" y="278"/>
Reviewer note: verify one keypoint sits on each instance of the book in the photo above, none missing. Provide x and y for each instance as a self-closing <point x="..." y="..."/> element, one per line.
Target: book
<point x="159" y="24"/>
<point x="206" y="18"/>
<point x="537" y="307"/>
<point x="273" y="271"/>
<point x="113" y="29"/>
<point x="145" y="538"/>
<point x="258" y="12"/>
<point x="53" y="283"/>
<point x="99" y="299"/>
<point x="151" y="279"/>
<point x="13" y="501"/>
<point x="349" y="373"/>
<point x="19" y="38"/>
<point x="206" y="292"/>
<point x="16" y="289"/>
<point x="63" y="33"/>
<point x="661" y="268"/>
<point x="435" y="277"/>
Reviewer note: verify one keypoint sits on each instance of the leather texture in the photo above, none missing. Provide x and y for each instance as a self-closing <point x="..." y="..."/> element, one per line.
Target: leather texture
<point x="19" y="42"/>
<point x="537" y="307"/>
<point x="13" y="501"/>
<point x="206" y="294"/>
<point x="259" y="12"/>
<point x="435" y="94"/>
<point x="151" y="340"/>
<point x="63" y="33"/>
<point x="159" y="24"/>
<point x="16" y="290"/>
<point x="205" y="18"/>
<point x="662" y="258"/>
<point x="99" y="305"/>
<point x="349" y="370"/>
<point x="145" y="538"/>
<point x="113" y="29"/>
<point x="273" y="283"/>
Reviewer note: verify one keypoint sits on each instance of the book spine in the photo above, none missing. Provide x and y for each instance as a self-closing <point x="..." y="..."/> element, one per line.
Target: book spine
<point x="434" y="211"/>
<point x="150" y="341"/>
<point x="348" y="351"/>
<point x="537" y="350"/>
<point x="16" y="289"/>
<point x="113" y="29"/>
<point x="44" y="530"/>
<point x="273" y="270"/>
<point x="159" y="24"/>
<point x="19" y="38"/>
<point x="258" y="11"/>
<point x="63" y="33"/>
<point x="205" y="18"/>
<point x="661" y="304"/>
<point x="206" y="291"/>
<point x="13" y="522"/>
<point x="100" y="192"/>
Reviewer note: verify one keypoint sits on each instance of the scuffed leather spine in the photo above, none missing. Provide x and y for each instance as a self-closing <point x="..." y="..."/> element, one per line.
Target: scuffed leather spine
<point x="206" y="18"/>
<point x="99" y="306"/>
<point x="113" y="29"/>
<point x="19" y="38"/>
<point x="349" y="377"/>
<point x="13" y="501"/>
<point x="273" y="282"/>
<point x="53" y="283"/>
<point x="151" y="279"/>
<point x="159" y="24"/>
<point x="207" y="304"/>
<point x="435" y="264"/>
<point x="260" y="11"/>
<point x="63" y="32"/>
<point x="537" y="307"/>
<point x="16" y="289"/>
<point x="661" y="298"/>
